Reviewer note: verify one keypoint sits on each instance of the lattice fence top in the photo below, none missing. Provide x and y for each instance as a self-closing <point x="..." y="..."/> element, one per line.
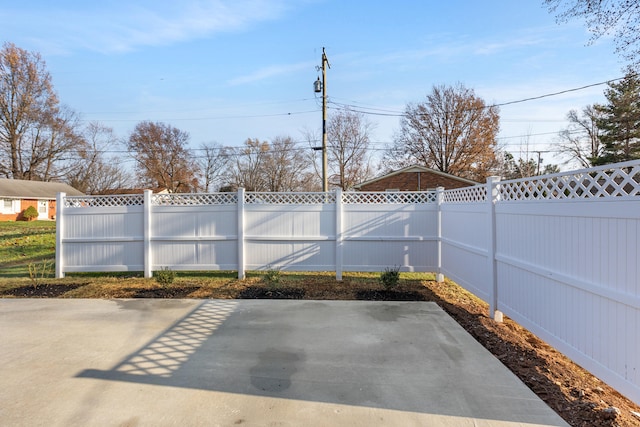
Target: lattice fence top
<point x="477" y="193"/>
<point x="194" y="199"/>
<point x="389" y="197"/>
<point x="103" y="201"/>
<point x="619" y="180"/>
<point x="289" y="198"/>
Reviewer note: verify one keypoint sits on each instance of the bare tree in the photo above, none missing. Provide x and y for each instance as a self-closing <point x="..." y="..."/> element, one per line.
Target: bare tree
<point x="213" y="162"/>
<point x="36" y="134"/>
<point x="313" y="156"/>
<point x="163" y="157"/>
<point x="286" y="167"/>
<point x="453" y="131"/>
<point x="248" y="170"/>
<point x="277" y="166"/>
<point x="95" y="171"/>
<point x="580" y="141"/>
<point x="618" y="17"/>
<point x="348" y="149"/>
<point x="48" y="144"/>
<point x="526" y="165"/>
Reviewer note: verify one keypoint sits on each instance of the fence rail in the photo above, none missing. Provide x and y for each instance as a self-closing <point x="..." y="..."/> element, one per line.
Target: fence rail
<point x="557" y="253"/>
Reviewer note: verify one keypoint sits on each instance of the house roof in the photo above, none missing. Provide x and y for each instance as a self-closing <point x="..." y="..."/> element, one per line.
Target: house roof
<point x="415" y="168"/>
<point x="22" y="189"/>
<point x="158" y="190"/>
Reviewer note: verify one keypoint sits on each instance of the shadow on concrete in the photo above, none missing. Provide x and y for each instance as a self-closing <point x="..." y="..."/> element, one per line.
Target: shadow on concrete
<point x="398" y="356"/>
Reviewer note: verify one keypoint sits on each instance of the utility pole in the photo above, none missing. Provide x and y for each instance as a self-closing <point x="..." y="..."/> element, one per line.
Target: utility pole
<point x="539" y="160"/>
<point x="318" y="87"/>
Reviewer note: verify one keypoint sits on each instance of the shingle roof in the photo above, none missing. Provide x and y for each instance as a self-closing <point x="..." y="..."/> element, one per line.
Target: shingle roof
<point x="415" y="168"/>
<point x="18" y="188"/>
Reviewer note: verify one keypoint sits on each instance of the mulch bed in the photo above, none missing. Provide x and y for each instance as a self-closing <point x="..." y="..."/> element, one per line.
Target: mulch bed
<point x="41" y="291"/>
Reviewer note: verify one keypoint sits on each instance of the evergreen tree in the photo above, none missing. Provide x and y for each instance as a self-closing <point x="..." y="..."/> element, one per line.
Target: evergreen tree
<point x="620" y="121"/>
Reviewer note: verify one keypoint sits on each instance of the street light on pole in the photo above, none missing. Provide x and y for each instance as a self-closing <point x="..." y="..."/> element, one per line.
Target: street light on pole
<point x="321" y="86"/>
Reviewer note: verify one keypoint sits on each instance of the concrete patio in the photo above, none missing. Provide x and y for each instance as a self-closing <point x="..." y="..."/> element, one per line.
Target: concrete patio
<point x="251" y="363"/>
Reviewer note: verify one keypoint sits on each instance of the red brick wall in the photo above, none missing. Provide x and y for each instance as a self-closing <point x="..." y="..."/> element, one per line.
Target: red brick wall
<point x="9" y="217"/>
<point x="408" y="181"/>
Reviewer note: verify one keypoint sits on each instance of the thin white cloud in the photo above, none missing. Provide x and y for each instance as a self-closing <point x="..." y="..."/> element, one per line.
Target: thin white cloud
<point x="492" y="48"/>
<point x="271" y="71"/>
<point x="451" y="46"/>
<point x="123" y="26"/>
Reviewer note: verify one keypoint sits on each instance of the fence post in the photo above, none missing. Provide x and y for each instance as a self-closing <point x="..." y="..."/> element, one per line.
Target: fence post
<point x="241" y="260"/>
<point x="59" y="232"/>
<point x="146" y="224"/>
<point x="338" y="234"/>
<point x="493" y="195"/>
<point x="439" y="200"/>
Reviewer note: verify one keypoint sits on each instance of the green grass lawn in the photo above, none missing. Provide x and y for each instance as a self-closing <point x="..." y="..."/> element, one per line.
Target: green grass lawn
<point x="23" y="243"/>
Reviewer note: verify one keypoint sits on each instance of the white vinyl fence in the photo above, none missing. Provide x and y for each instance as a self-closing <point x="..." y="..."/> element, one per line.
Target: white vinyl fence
<point x="247" y="231"/>
<point x="558" y="253"/>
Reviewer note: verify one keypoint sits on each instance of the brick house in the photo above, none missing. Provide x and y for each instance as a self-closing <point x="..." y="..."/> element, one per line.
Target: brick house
<point x="414" y="178"/>
<point x="16" y="195"/>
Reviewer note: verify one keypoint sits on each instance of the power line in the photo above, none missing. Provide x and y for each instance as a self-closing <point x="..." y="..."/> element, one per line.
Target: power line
<point x="353" y="106"/>
<point x="395" y="113"/>
<point x="533" y="98"/>
<point x="254" y="116"/>
<point x="382" y="110"/>
<point x="357" y="109"/>
<point x="205" y="109"/>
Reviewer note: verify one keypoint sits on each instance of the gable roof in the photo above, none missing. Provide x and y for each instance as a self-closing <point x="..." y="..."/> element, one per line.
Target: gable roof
<point x="117" y="191"/>
<point x="23" y="189"/>
<point x="416" y="168"/>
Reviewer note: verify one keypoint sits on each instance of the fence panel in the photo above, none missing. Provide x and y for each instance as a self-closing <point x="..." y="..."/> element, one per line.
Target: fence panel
<point x="465" y="240"/>
<point x="567" y="250"/>
<point x="194" y="237"/>
<point x="381" y="233"/>
<point x="103" y="235"/>
<point x="290" y="231"/>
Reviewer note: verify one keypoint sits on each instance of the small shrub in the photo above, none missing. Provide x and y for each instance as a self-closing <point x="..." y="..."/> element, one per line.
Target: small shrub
<point x="164" y="276"/>
<point x="30" y="213"/>
<point x="272" y="276"/>
<point x="390" y="277"/>
<point x="39" y="271"/>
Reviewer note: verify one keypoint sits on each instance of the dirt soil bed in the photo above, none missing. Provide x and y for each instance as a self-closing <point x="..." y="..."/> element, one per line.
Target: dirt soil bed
<point x="577" y="396"/>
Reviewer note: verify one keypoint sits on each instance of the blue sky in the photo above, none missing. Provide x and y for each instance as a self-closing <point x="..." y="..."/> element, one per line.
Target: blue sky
<point x="228" y="70"/>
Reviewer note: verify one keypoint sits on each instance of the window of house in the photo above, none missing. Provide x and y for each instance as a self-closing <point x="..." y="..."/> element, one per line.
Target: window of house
<point x="8" y="206"/>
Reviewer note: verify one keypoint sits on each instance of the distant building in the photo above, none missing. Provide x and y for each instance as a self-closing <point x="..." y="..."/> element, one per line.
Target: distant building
<point x="414" y="178"/>
<point x="127" y="191"/>
<point x="16" y="195"/>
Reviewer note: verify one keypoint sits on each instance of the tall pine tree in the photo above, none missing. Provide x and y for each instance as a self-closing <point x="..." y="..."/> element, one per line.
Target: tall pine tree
<point x="620" y="121"/>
